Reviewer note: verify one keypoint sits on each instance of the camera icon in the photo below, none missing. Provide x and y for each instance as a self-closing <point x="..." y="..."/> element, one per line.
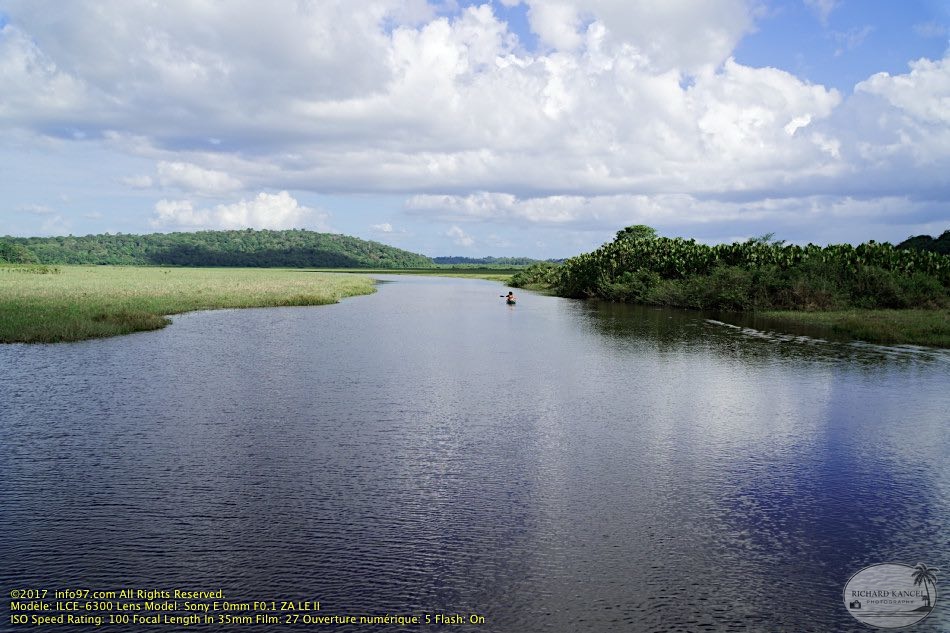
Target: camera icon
<point x="854" y="604"/>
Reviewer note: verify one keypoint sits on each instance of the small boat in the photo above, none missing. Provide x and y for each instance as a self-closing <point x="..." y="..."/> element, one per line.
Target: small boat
<point x="510" y="302"/>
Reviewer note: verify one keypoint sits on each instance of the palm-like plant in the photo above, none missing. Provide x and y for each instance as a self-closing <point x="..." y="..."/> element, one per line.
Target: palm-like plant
<point x="924" y="575"/>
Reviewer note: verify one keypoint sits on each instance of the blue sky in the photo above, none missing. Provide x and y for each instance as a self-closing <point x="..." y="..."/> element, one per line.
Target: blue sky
<point x="518" y="127"/>
<point x="855" y="40"/>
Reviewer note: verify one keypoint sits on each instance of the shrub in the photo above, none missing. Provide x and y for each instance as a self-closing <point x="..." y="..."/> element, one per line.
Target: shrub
<point x="541" y="274"/>
<point x="15" y="254"/>
<point x="756" y="274"/>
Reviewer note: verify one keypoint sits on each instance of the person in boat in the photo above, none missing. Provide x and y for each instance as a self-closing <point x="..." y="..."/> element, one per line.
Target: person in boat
<point x="510" y="297"/>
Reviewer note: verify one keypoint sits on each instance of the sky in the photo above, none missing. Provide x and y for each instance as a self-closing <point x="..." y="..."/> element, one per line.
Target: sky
<point x="506" y="128"/>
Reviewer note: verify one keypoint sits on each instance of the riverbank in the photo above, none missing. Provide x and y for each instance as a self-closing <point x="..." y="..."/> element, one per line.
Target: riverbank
<point x="46" y="304"/>
<point x="912" y="327"/>
<point x="873" y="292"/>
<point x="72" y="303"/>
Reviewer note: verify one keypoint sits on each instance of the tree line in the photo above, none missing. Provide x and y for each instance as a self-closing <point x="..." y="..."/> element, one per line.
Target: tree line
<point x="761" y="273"/>
<point x="253" y="248"/>
<point x="487" y="261"/>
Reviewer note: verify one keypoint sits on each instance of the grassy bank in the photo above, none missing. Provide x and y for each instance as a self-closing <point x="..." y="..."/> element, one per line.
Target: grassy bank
<point x="71" y="303"/>
<point x="915" y="327"/>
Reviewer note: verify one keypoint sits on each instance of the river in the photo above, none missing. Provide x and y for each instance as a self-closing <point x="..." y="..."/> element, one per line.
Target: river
<point x="552" y="466"/>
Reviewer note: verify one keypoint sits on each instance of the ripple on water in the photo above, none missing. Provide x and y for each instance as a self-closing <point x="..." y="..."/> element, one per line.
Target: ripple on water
<point x="559" y="466"/>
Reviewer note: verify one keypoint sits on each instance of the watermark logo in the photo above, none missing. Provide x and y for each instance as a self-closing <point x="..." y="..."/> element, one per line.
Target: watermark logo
<point x="891" y="595"/>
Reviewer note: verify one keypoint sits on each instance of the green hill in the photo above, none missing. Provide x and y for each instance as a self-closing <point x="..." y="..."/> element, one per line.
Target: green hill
<point x="926" y="243"/>
<point x="288" y="248"/>
<point x="454" y="260"/>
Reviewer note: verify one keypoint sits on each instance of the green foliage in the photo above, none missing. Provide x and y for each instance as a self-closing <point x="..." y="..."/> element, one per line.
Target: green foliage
<point x="631" y="286"/>
<point x="637" y="232"/>
<point x="248" y="248"/>
<point x="766" y="240"/>
<point x="540" y="274"/>
<point x="760" y="273"/>
<point x="12" y="253"/>
<point x="940" y="245"/>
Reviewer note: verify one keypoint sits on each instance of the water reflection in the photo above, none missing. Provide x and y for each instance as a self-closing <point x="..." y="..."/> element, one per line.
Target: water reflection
<point x="557" y="466"/>
<point x="682" y="330"/>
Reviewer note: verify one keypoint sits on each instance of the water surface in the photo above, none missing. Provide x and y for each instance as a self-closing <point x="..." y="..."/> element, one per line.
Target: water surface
<point x="553" y="466"/>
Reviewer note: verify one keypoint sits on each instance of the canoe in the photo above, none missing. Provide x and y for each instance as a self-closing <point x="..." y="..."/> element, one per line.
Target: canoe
<point x="510" y="302"/>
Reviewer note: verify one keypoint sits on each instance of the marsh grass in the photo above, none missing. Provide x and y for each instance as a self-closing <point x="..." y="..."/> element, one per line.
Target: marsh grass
<point x="33" y="269"/>
<point x="82" y="302"/>
<point x="915" y="327"/>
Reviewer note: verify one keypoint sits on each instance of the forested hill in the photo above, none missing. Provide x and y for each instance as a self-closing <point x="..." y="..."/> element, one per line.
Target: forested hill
<point x="289" y="248"/>
<point x="926" y="243"/>
<point x="487" y="261"/>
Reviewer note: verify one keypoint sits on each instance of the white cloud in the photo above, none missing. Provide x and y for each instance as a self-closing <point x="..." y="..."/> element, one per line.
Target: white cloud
<point x="897" y="121"/>
<point x="931" y="29"/>
<point x="822" y="8"/>
<point x="580" y="212"/>
<point x="559" y="123"/>
<point x="36" y="209"/>
<point x="195" y="49"/>
<point x="460" y="237"/>
<point x="683" y="214"/>
<point x="922" y="94"/>
<point x="141" y="181"/>
<point x="56" y="225"/>
<point x="190" y="177"/>
<point x="36" y="91"/>
<point x="850" y="39"/>
<point x="628" y="110"/>
<point x="266" y="211"/>
<point x="447" y="103"/>
<point x="665" y="34"/>
<point x="385" y="227"/>
<point x="556" y="23"/>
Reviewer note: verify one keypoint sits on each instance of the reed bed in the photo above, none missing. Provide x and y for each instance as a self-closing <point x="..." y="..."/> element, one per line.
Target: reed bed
<point x="71" y="303"/>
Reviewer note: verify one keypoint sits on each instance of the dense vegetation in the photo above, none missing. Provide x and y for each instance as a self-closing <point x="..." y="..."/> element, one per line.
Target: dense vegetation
<point x="758" y="274"/>
<point x="290" y="248"/>
<point x="926" y="243"/>
<point x="15" y="253"/>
